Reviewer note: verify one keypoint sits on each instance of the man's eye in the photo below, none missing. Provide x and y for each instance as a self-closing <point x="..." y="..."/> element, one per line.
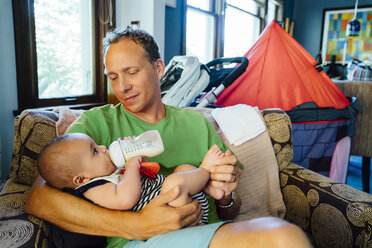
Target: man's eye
<point x="95" y="151"/>
<point x="113" y="78"/>
<point x="132" y="72"/>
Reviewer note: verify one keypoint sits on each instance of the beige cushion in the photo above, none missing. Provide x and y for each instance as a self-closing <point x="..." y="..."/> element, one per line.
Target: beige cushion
<point x="259" y="186"/>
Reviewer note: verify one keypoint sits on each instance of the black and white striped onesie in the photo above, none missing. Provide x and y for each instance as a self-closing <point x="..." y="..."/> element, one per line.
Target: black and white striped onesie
<point x="150" y="188"/>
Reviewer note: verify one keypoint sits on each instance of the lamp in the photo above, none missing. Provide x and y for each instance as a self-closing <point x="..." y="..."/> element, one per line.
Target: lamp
<point x="353" y="27"/>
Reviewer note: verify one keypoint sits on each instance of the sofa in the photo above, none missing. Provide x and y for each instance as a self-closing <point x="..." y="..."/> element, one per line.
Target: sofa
<point x="331" y="213"/>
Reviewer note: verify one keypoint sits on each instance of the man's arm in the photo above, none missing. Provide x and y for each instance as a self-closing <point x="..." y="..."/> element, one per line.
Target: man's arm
<point x="228" y="213"/>
<point x="77" y="215"/>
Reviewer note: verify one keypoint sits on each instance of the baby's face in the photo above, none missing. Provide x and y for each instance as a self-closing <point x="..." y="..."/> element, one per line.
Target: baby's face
<point x="94" y="160"/>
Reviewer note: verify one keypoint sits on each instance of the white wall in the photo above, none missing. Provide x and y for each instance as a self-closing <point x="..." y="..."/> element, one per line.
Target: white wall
<point x="150" y="13"/>
<point x="8" y="86"/>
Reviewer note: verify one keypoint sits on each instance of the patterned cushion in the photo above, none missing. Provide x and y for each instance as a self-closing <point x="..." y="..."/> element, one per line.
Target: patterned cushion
<point x="18" y="229"/>
<point x="280" y="129"/>
<point x="334" y="214"/>
<point x="32" y="131"/>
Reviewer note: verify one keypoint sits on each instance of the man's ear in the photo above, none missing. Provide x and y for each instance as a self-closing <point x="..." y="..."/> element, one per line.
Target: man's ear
<point x="80" y="180"/>
<point x="160" y="67"/>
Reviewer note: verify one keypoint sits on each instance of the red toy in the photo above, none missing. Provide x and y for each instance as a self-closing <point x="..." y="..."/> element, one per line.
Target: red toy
<point x="149" y="169"/>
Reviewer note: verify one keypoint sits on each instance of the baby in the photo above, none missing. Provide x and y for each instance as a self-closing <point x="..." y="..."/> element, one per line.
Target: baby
<point x="75" y="161"/>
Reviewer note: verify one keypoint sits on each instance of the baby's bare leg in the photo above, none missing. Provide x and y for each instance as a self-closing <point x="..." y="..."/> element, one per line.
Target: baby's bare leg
<point x="190" y="179"/>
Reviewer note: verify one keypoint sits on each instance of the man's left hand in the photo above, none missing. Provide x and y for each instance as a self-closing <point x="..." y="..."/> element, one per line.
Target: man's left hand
<point x="224" y="177"/>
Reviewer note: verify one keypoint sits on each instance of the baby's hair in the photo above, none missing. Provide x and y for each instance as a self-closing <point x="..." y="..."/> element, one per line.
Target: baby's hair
<point x="54" y="165"/>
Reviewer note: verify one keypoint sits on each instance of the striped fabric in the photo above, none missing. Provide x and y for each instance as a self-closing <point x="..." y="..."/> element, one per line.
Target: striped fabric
<point x="202" y="199"/>
<point x="357" y="70"/>
<point x="152" y="187"/>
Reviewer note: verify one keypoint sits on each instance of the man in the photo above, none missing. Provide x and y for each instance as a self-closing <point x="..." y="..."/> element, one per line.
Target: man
<point x="134" y="68"/>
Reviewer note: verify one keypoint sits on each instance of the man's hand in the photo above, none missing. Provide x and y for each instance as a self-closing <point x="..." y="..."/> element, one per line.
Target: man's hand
<point x="224" y="180"/>
<point x="158" y="217"/>
<point x="224" y="177"/>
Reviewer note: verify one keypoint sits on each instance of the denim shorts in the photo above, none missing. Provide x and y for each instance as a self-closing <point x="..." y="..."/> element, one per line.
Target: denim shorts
<point x="191" y="237"/>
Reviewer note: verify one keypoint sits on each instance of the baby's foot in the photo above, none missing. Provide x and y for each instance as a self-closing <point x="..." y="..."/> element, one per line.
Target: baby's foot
<point x="210" y="158"/>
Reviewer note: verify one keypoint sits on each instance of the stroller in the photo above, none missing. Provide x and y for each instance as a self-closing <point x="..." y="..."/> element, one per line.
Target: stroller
<point x="187" y="82"/>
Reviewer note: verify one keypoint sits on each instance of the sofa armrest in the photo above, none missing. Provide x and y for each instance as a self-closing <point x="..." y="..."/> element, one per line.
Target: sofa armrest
<point x="17" y="228"/>
<point x="33" y="129"/>
<point x="335" y="214"/>
<point x="279" y="127"/>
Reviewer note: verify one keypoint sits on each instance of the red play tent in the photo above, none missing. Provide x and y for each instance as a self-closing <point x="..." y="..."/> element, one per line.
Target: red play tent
<point x="281" y="74"/>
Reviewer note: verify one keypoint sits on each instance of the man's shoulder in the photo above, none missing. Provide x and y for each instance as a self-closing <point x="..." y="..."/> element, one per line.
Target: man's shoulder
<point x="108" y="108"/>
<point x="102" y="112"/>
<point x="99" y="123"/>
<point x="91" y="117"/>
<point x="189" y="112"/>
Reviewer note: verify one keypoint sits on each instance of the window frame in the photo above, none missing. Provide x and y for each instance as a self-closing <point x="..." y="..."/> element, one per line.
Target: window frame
<point x="26" y="59"/>
<point x="217" y="21"/>
<point x="261" y="19"/>
<point x="218" y="8"/>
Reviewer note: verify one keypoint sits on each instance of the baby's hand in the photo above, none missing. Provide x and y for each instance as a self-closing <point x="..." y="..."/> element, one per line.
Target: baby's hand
<point x="133" y="162"/>
<point x="127" y="138"/>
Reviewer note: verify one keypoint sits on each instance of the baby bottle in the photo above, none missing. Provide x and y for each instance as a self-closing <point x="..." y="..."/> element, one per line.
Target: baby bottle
<point x="147" y="144"/>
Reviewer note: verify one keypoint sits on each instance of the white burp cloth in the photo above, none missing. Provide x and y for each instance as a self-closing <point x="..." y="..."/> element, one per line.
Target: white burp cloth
<point x="239" y="123"/>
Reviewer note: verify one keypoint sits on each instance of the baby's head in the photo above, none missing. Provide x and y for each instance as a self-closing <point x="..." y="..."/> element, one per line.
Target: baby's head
<point x="71" y="160"/>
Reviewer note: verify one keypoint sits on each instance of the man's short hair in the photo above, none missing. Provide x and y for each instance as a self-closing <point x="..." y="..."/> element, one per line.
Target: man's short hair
<point x="139" y="36"/>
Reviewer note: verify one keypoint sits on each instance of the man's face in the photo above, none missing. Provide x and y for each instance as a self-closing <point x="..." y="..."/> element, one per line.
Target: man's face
<point x="133" y="78"/>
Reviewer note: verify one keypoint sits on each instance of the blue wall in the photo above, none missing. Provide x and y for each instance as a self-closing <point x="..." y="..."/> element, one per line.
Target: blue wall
<point x="308" y="18"/>
<point x="173" y="31"/>
<point x="288" y="8"/>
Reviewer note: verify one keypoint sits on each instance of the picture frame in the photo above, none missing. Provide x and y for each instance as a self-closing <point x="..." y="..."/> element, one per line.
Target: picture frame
<point x="334" y="40"/>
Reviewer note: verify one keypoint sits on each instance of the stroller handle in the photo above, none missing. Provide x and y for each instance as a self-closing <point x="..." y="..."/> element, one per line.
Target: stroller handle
<point x="217" y="61"/>
<point x="234" y="74"/>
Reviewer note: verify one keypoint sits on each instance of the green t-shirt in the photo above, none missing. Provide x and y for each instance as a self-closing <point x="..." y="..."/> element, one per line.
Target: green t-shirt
<point x="186" y="135"/>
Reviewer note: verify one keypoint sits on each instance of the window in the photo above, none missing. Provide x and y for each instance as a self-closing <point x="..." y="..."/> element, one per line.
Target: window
<point x="200" y="32"/>
<point x="238" y="14"/>
<point x="63" y="49"/>
<point x="275" y="10"/>
<point x="226" y="28"/>
<point x="58" y="52"/>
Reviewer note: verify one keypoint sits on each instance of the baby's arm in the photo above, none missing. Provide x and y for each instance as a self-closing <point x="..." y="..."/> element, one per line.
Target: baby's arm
<point x="122" y="196"/>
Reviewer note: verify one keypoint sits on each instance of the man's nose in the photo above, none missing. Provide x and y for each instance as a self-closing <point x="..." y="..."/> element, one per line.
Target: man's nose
<point x="124" y="84"/>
